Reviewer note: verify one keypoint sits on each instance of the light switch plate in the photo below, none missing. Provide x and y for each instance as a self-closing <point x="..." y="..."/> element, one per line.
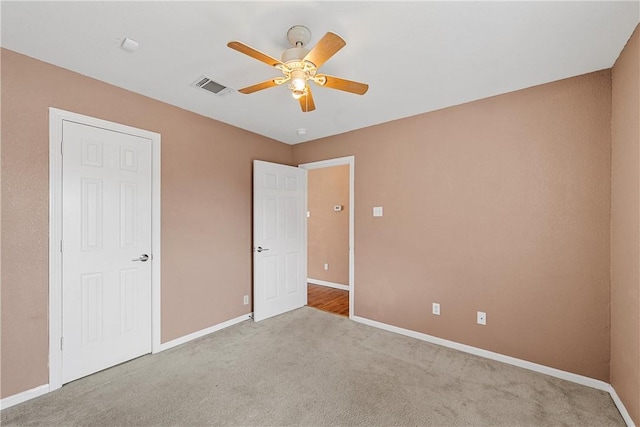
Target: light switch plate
<point x="377" y="211"/>
<point x="482" y="318"/>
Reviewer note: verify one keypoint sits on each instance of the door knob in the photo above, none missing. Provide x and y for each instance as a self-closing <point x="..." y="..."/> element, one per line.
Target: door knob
<point x="143" y="258"/>
<point x="260" y="249"/>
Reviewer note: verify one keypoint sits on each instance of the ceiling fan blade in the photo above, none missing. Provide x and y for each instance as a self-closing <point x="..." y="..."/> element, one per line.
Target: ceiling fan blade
<point x="256" y="54"/>
<point x="306" y="102"/>
<point x="325" y="49"/>
<point x="345" y="85"/>
<point x="260" y="86"/>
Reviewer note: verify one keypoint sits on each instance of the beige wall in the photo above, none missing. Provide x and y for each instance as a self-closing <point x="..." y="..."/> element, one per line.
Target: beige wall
<point x="625" y="227"/>
<point x="327" y="230"/>
<point x="500" y="205"/>
<point x="206" y="208"/>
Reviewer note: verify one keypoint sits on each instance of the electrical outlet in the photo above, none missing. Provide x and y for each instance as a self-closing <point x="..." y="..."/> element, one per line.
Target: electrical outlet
<point x="246" y="300"/>
<point x="435" y="309"/>
<point x="482" y="318"/>
<point x="326" y="266"/>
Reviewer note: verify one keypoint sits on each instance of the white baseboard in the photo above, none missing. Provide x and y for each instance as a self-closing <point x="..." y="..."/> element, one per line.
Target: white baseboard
<point x="184" y="339"/>
<point x="9" y="401"/>
<point x="579" y="379"/>
<point x="329" y="284"/>
<point x="623" y="411"/>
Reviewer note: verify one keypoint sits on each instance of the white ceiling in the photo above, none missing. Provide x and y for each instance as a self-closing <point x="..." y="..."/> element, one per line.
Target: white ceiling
<point x="415" y="56"/>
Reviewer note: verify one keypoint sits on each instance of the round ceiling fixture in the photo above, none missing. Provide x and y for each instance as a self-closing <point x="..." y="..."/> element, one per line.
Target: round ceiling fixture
<point x="301" y="131"/>
<point x="130" y="45"/>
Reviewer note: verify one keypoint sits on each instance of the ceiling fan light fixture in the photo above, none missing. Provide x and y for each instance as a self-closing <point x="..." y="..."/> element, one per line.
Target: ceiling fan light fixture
<point x="298" y="83"/>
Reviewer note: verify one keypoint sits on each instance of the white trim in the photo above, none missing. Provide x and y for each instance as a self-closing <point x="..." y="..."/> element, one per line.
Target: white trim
<point x="569" y="376"/>
<point x="305" y="241"/>
<point x="56" y="119"/>
<point x="55" y="256"/>
<point x="621" y="408"/>
<point x="184" y="339"/>
<point x="9" y="401"/>
<point x="328" y="284"/>
<point x="351" y="161"/>
<point x="156" y="237"/>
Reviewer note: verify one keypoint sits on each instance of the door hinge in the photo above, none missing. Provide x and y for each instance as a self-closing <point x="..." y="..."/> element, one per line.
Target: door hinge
<point x="61" y="147"/>
<point x="61" y="343"/>
<point x="60" y="245"/>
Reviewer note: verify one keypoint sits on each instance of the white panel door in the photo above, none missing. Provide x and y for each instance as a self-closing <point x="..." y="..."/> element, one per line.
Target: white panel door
<point x="279" y="239"/>
<point x="106" y="285"/>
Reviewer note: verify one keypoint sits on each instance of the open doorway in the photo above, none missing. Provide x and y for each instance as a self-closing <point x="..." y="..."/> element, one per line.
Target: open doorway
<point x="330" y="235"/>
<point x="331" y="300"/>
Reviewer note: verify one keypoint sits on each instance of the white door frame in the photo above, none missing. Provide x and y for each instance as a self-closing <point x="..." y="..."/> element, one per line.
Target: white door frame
<point x="56" y="119"/>
<point x="349" y="160"/>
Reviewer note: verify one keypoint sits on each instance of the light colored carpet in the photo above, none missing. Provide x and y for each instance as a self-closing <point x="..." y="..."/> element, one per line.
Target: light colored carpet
<point x="308" y="367"/>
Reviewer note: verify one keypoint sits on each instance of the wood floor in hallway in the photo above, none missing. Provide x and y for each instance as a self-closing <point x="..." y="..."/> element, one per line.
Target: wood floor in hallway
<point x="328" y="299"/>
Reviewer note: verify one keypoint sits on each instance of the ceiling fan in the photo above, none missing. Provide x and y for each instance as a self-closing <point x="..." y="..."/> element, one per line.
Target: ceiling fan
<point x="300" y="65"/>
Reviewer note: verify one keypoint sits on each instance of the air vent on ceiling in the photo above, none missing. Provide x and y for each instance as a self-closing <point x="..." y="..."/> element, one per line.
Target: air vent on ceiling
<point x="209" y="85"/>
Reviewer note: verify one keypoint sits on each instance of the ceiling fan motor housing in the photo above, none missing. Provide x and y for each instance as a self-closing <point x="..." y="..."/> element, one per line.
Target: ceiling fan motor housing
<point x="294" y="54"/>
